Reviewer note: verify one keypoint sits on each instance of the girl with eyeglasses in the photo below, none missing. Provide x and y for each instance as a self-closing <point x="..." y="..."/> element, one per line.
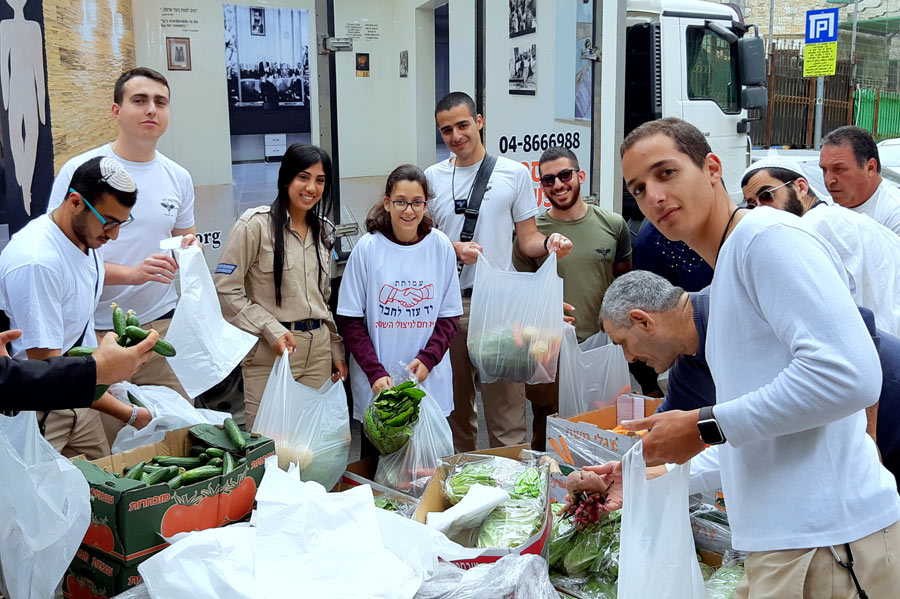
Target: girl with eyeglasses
<point x="400" y="301"/>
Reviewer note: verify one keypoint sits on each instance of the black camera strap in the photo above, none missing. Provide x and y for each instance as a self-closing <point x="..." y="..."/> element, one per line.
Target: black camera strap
<point x="474" y="204"/>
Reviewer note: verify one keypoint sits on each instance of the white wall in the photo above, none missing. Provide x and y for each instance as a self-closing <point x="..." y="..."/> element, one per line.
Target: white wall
<point x="198" y="137"/>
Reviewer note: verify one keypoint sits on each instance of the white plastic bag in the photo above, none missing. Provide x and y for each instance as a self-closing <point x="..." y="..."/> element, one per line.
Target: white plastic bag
<point x="170" y="412"/>
<point x="591" y="374"/>
<point x="309" y="426"/>
<point x="516" y="323"/>
<point x="657" y="556"/>
<point x="410" y="468"/>
<point x="208" y="348"/>
<point x="45" y="504"/>
<point x="521" y="576"/>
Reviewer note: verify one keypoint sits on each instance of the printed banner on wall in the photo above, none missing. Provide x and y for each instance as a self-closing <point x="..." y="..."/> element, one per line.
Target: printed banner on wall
<point x="267" y="67"/>
<point x="26" y="151"/>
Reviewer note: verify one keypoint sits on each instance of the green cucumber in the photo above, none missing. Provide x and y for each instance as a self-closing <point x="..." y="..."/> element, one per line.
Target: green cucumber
<point x="162" y="347"/>
<point x="215" y="452"/>
<point x="135" y="472"/>
<point x="234" y="433"/>
<point x="216" y="462"/>
<point x="167" y="460"/>
<point x="131" y="319"/>
<point x="118" y="319"/>
<point x="204" y="457"/>
<point x="227" y="463"/>
<point x="175" y="481"/>
<point x="79" y="351"/>
<point x="196" y="450"/>
<point x="201" y="473"/>
<point x="161" y="475"/>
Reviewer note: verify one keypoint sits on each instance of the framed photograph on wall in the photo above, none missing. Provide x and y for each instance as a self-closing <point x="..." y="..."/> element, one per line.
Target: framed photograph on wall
<point x="178" y="53"/>
<point x="404" y="63"/>
<point x="523" y="70"/>
<point x="522" y="17"/>
<point x="257" y="20"/>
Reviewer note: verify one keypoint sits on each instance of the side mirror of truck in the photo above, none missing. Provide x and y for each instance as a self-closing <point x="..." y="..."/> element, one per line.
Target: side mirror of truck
<point x="752" y="61"/>
<point x="754" y="97"/>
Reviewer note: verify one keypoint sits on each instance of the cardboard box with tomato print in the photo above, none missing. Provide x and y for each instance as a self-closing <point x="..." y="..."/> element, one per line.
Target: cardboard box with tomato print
<point x="93" y="575"/>
<point x="131" y="520"/>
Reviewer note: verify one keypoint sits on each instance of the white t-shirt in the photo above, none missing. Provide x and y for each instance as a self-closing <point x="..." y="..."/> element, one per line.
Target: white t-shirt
<point x="49" y="288"/>
<point x="794" y="367"/>
<point x="165" y="202"/>
<point x="870" y="253"/>
<point x="883" y="206"/>
<point x="401" y="290"/>
<point x="508" y="199"/>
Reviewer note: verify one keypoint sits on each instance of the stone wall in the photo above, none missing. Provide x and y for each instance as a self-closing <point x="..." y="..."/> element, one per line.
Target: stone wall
<point x="89" y="43"/>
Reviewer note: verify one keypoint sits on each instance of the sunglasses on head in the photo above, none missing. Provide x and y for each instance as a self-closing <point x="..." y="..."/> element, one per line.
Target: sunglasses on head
<point x="564" y="176"/>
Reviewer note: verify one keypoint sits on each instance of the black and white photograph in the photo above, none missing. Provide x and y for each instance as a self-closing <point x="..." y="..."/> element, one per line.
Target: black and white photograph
<point x="523" y="70"/>
<point x="257" y="20"/>
<point x="178" y="53"/>
<point x="404" y="63"/>
<point x="267" y="73"/>
<point x="522" y="17"/>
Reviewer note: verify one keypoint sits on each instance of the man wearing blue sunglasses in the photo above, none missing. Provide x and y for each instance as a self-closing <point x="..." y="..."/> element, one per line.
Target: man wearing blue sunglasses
<point x="51" y="278"/>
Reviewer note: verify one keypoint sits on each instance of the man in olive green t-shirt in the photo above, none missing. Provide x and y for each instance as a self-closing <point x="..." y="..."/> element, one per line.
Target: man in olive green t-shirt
<point x="601" y="252"/>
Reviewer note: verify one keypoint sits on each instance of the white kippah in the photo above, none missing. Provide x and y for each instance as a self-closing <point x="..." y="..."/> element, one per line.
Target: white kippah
<point x="774" y="160"/>
<point x="114" y="174"/>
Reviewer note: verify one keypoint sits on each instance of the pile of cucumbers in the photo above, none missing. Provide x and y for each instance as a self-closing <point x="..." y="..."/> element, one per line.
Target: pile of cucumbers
<point x="129" y="331"/>
<point x="201" y="464"/>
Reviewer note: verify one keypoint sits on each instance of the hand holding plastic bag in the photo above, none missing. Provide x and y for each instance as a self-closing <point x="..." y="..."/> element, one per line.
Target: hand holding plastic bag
<point x="45" y="504"/>
<point x="657" y="555"/>
<point x="591" y="374"/>
<point x="209" y="347"/>
<point x="410" y="468"/>
<point x="310" y="427"/>
<point x="515" y="324"/>
<point x="170" y="412"/>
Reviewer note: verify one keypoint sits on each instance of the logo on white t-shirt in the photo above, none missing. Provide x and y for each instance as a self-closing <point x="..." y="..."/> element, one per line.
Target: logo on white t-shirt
<point x="408" y="297"/>
<point x="169" y="204"/>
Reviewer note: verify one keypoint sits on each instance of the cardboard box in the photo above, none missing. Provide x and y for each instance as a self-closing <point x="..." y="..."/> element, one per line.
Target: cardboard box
<point x="128" y="517"/>
<point x="433" y="501"/>
<point x="586" y="439"/>
<point x="93" y="574"/>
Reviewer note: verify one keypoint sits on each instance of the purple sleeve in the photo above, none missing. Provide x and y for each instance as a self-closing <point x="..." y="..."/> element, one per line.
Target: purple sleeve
<point x="439" y="342"/>
<point x="357" y="341"/>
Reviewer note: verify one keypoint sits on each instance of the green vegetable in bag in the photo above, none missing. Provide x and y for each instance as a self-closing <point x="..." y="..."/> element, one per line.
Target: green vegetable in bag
<point x="589" y="547"/>
<point x="600" y="588"/>
<point x="723" y="583"/>
<point x="389" y="418"/>
<point x="456" y="487"/>
<point x="562" y="537"/>
<point x="528" y="484"/>
<point x="511" y="524"/>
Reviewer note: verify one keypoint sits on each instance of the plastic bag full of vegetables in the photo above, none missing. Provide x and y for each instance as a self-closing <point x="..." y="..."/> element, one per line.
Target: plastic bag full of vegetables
<point x="516" y="323"/>
<point x="389" y="418"/>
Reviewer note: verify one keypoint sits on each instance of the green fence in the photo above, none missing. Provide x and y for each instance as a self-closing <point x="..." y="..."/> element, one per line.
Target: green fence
<point x="878" y="111"/>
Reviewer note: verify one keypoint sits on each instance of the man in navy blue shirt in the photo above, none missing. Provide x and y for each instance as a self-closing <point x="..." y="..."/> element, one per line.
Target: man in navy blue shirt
<point x="669" y="332"/>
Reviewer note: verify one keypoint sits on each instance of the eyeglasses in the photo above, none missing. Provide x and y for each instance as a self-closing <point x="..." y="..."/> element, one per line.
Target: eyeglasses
<point x="108" y="224"/>
<point x="768" y="195"/>
<point x="564" y="176"/>
<point x="416" y="205"/>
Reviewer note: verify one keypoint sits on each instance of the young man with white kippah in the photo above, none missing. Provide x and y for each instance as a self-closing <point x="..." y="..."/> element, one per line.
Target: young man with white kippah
<point x="51" y="277"/>
<point x="869" y="251"/>
<point x="138" y="274"/>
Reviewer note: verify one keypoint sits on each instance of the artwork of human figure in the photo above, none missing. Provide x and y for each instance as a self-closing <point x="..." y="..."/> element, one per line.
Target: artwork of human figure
<point x="24" y="95"/>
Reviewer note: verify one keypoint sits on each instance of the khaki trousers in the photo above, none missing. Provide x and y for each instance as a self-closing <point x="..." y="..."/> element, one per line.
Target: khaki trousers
<point x="76" y="432"/>
<point x="814" y="573"/>
<point x="156" y="371"/>
<point x="504" y="401"/>
<point x="311" y="365"/>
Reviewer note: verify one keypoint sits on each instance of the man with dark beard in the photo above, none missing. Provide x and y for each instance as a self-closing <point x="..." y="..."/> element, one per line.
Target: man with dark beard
<point x="601" y="251"/>
<point x="51" y="278"/>
<point x="869" y="251"/>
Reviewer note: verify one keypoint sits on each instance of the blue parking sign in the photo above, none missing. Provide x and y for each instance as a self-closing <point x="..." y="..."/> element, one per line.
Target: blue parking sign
<point x="821" y="25"/>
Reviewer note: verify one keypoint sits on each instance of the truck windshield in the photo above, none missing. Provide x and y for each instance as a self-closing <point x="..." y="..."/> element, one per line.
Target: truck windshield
<point x="712" y="69"/>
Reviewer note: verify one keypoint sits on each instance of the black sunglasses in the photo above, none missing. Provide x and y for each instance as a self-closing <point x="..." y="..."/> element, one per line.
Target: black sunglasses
<point x="564" y="176"/>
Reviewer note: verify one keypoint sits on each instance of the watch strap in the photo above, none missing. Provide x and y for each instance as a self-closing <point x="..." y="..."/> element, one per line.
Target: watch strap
<point x="706" y="413"/>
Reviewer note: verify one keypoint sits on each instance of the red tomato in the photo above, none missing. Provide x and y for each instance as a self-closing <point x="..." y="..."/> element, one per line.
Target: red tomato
<point x="100" y="536"/>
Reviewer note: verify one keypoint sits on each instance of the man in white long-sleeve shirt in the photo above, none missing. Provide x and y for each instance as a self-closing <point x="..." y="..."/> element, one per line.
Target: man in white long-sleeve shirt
<point x="794" y="368"/>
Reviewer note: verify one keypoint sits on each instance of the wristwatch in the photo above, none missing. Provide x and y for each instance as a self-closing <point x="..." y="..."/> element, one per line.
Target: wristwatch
<point x="710" y="431"/>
